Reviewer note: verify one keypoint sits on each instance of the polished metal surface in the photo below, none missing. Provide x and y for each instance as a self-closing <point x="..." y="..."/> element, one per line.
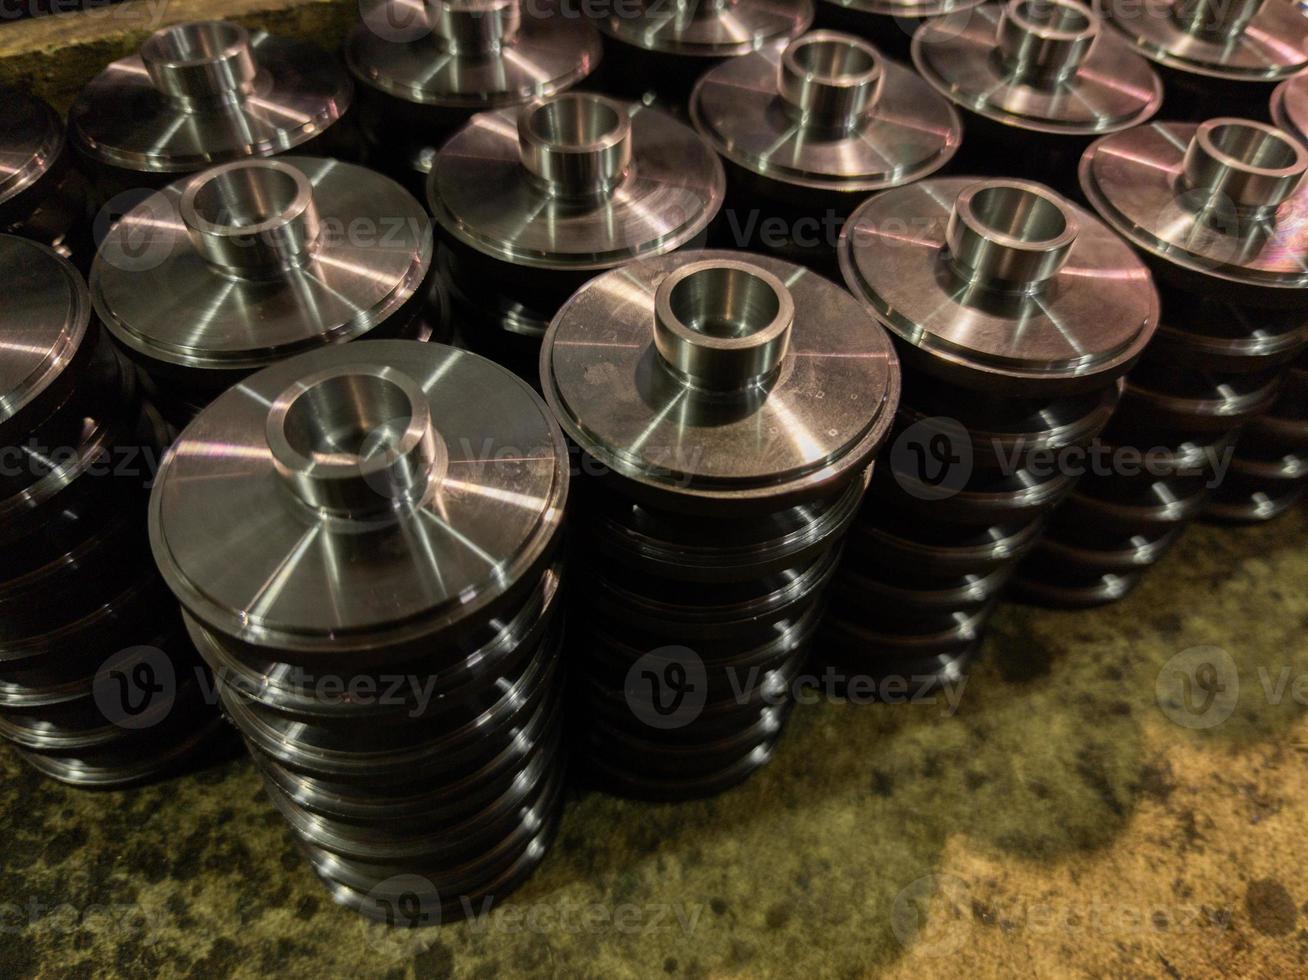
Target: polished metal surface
<point x="727" y="407"/>
<point x="1220" y="200"/>
<point x="1015" y="313"/>
<point x="1240" y="40"/>
<point x="1290" y="106"/>
<point x="709" y="29"/>
<point x="431" y="67"/>
<point x="1044" y="66"/>
<point x="250" y="262"/>
<point x="532" y="202"/>
<point x="204" y="93"/>
<point x="41" y="196"/>
<point x="826" y="113"/>
<point x="983" y="257"/>
<point x="79" y="598"/>
<point x="385" y="516"/>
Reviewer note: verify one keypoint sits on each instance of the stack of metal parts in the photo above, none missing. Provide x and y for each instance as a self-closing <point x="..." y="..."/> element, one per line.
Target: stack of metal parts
<point x="1015" y="314"/>
<point x="1210" y="53"/>
<point x="251" y="262"/>
<point x="1042" y="72"/>
<point x="890" y="24"/>
<point x="424" y="69"/>
<point x="363" y="540"/>
<point x="808" y="131"/>
<point x="531" y="203"/>
<point x="728" y="407"/>
<point x="1219" y="211"/>
<point x="204" y="93"/>
<point x="42" y="196"/>
<point x="99" y="686"/>
<point x="658" y="48"/>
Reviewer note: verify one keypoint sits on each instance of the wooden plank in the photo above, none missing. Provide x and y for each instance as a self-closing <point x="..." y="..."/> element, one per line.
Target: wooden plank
<point x="55" y="56"/>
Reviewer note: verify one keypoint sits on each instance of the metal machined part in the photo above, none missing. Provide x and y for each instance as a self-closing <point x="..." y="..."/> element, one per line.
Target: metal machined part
<point x="728" y="407"/>
<point x="421" y="490"/>
<point x="41" y="196"/>
<point x="1016" y="314"/>
<point x="79" y="600"/>
<point x="205" y="93"/>
<point x="1231" y="40"/>
<point x="889" y="24"/>
<point x="422" y="74"/>
<point x="251" y="262"/>
<point x="532" y="202"/>
<point x="825" y="118"/>
<point x="663" y="47"/>
<point x="1290" y="106"/>
<point x="1043" y="71"/>
<point x="1218" y="201"/>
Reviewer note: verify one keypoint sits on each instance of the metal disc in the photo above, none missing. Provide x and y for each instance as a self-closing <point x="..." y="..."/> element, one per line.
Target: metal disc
<point x="161" y="298"/>
<point x="911" y="133"/>
<point x="1133" y="179"/>
<point x="1273" y="45"/>
<point x="816" y="424"/>
<point x="1113" y="88"/>
<point x="482" y="196"/>
<point x="709" y="28"/>
<point x="32" y="140"/>
<point x="122" y="119"/>
<point x="1088" y="325"/>
<point x="253" y="561"/>
<point x="1290" y="106"/>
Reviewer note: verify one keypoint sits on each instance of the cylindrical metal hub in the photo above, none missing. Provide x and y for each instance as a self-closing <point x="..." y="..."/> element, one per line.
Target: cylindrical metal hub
<point x="364" y="543"/>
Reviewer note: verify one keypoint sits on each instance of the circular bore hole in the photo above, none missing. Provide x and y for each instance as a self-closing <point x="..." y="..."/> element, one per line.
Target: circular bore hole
<point x="347" y="419"/>
<point x="724" y="303"/>
<point x="1018" y="214"/>
<point x="835" y="61"/>
<point x="246" y="196"/>
<point x="185" y="43"/>
<point x="1254" y="146"/>
<point x="575" y="121"/>
<point x="1062" y="18"/>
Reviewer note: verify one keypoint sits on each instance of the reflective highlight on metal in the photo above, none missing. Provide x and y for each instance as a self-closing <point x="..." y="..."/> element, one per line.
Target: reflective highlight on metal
<point x="1213" y="207"/>
<point x="532" y="202"/>
<point x="1223" y="201"/>
<point x="1042" y="71"/>
<point x="818" y="124"/>
<point x="250" y="262"/>
<point x="204" y="93"/>
<point x="1015" y="314"/>
<point x="1290" y="106"/>
<point x="423" y="70"/>
<point x="364" y="543"/>
<point x="889" y="24"/>
<point x="98" y="684"/>
<point x="1227" y="52"/>
<point x="728" y="408"/>
<point x="41" y="196"/>
<point x="662" y="46"/>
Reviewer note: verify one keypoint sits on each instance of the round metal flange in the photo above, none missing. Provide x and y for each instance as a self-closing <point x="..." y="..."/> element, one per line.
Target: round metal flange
<point x="1228" y="338"/>
<point x="41" y="196"/>
<point x="573" y="183"/>
<point x="1219" y="203"/>
<point x="1290" y="106"/>
<point x="999" y="285"/>
<point x="250" y="262"/>
<point x="714" y="381"/>
<point x="370" y="448"/>
<point x="825" y="113"/>
<point x="207" y="92"/>
<point x="1241" y="40"/>
<point x="1039" y="65"/>
<point x="1186" y="400"/>
<point x="708" y="29"/>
